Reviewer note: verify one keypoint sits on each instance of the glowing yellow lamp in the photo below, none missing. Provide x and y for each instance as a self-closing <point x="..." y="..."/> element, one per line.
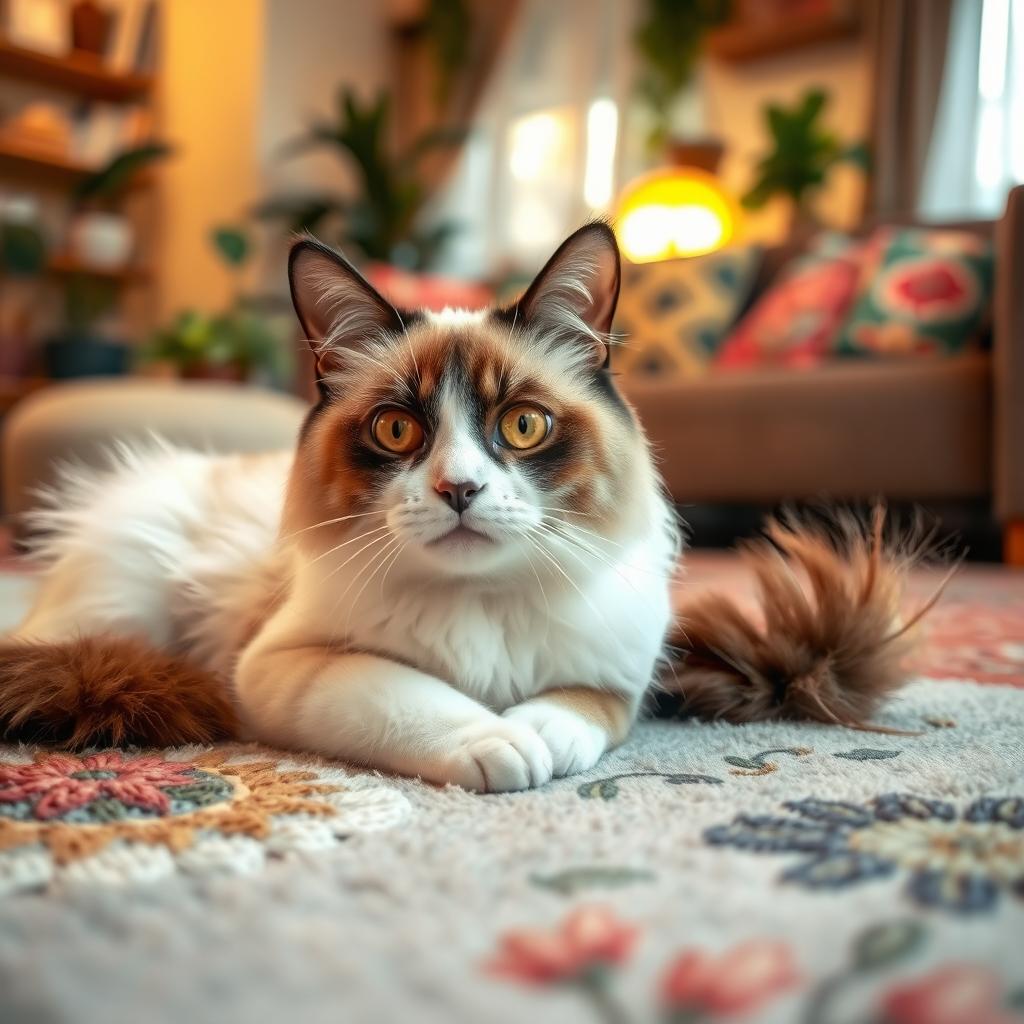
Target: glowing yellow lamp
<point x="673" y="212"/>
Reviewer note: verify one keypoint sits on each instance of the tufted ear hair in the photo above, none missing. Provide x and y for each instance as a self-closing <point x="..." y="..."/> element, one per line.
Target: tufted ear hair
<point x="576" y="293"/>
<point x="336" y="306"/>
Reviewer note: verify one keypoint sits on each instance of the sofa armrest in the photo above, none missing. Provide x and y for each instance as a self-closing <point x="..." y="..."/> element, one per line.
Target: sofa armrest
<point x="1008" y="362"/>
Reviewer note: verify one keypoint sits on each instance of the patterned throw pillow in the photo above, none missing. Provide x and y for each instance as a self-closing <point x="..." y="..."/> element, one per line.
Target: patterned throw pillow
<point x="675" y="313"/>
<point x="796" y="321"/>
<point x="930" y="292"/>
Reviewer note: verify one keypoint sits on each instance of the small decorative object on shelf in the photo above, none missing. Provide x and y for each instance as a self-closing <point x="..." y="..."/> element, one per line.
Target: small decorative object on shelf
<point x="41" y="25"/>
<point x="90" y="27"/>
<point x="100" y="236"/>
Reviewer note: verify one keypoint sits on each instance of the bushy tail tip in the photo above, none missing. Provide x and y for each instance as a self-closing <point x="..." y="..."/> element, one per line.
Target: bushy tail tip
<point x="108" y="691"/>
<point x="828" y="643"/>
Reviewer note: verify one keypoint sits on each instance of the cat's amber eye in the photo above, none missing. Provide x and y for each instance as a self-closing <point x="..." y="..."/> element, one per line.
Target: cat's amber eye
<point x="524" y="427"/>
<point x="397" y="431"/>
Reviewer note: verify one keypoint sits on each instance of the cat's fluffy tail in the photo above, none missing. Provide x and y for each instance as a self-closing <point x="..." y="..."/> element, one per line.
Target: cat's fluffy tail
<point x="828" y="642"/>
<point x="108" y="691"/>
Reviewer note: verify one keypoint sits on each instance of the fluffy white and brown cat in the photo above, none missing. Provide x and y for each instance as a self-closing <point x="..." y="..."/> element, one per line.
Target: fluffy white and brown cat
<point x="462" y="573"/>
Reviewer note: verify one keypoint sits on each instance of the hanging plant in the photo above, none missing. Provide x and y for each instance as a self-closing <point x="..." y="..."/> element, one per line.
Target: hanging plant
<point x="669" y="40"/>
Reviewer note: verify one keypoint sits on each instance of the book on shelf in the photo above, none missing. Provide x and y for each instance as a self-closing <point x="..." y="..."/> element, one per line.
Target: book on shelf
<point x="132" y="47"/>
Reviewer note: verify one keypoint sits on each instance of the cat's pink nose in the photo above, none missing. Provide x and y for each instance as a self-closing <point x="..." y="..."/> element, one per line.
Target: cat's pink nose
<point x="459" y="495"/>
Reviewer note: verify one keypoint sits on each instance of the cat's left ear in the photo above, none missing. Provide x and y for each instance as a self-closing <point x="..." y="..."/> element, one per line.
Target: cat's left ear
<point x="577" y="291"/>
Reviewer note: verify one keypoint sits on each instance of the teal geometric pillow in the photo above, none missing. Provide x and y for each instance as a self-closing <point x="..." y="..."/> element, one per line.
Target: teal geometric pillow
<point x="674" y="314"/>
<point x="928" y="292"/>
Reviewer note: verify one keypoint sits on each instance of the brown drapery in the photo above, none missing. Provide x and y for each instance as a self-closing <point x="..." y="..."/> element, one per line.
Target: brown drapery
<point x="908" y="43"/>
<point x="416" y="79"/>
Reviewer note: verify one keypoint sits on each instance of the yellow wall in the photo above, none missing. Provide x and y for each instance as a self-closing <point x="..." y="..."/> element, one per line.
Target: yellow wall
<point x="211" y="72"/>
<point x="734" y="95"/>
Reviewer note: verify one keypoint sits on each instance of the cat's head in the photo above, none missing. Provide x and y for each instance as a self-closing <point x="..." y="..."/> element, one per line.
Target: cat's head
<point x="470" y="442"/>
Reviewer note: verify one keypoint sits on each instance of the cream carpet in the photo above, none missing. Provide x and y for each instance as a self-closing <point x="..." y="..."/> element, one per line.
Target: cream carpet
<point x="701" y="872"/>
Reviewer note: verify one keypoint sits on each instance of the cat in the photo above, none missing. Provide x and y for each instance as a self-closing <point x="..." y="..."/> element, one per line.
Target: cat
<point x="462" y="573"/>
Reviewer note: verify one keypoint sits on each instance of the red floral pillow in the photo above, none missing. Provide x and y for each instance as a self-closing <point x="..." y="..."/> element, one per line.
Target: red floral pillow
<point x="929" y="291"/>
<point x="795" y="322"/>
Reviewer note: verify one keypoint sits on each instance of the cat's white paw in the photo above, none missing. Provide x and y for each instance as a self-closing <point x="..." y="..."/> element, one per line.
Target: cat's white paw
<point x="495" y="756"/>
<point x="575" y="743"/>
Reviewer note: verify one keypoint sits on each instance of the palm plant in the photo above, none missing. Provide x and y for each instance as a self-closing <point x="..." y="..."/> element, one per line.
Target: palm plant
<point x="381" y="218"/>
<point x="803" y="154"/>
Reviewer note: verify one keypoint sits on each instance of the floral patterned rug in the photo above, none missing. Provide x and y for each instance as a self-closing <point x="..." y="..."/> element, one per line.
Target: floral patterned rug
<point x="700" y="873"/>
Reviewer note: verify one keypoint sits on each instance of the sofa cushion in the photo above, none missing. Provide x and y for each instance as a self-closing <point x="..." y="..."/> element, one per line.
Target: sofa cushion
<point x="674" y="314"/>
<point x="796" y="322"/>
<point x="914" y="429"/>
<point x="930" y="291"/>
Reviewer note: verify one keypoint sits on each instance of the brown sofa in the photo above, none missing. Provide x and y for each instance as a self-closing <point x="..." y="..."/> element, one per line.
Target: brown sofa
<point x="918" y="430"/>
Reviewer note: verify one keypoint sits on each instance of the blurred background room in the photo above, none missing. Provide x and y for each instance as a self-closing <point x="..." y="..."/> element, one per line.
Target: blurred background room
<point x="818" y="203"/>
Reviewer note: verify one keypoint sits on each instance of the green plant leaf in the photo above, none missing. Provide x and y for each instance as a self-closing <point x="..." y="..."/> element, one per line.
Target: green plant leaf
<point x="603" y="789"/>
<point x="119" y="171"/>
<point x="885" y="944"/>
<point x="232" y="243"/>
<point x="22" y="250"/>
<point x="573" y="880"/>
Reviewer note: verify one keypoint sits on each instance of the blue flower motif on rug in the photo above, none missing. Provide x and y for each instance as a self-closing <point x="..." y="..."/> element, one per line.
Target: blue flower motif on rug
<point x="959" y="862"/>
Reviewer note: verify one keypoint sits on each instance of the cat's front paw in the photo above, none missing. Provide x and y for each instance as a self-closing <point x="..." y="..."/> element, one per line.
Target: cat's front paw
<point x="575" y="743"/>
<point x="495" y="756"/>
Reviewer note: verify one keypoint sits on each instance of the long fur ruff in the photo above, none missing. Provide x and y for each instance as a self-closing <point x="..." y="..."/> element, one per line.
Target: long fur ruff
<point x="108" y="691"/>
<point x="828" y="643"/>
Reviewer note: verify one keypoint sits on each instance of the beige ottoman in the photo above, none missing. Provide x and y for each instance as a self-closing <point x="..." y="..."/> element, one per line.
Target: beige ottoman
<point x="80" y="421"/>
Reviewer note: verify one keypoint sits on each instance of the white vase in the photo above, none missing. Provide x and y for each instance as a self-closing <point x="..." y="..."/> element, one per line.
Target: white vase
<point x="102" y="240"/>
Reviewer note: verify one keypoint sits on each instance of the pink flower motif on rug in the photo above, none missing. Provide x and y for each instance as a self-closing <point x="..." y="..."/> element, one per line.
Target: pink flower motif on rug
<point x="62" y="783"/>
<point x="738" y="981"/>
<point x="589" y="937"/>
<point x="954" y="994"/>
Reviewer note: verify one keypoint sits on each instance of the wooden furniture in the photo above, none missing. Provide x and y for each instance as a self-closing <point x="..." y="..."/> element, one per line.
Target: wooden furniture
<point x="27" y="166"/>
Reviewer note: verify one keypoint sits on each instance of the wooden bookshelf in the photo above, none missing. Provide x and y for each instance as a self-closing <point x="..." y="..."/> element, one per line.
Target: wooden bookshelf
<point x="24" y="160"/>
<point x="36" y="164"/>
<point x="80" y="73"/>
<point x="65" y="265"/>
<point x="741" y="41"/>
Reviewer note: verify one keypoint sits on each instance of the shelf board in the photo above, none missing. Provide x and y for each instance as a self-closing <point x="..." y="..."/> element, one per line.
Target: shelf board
<point x="37" y="165"/>
<point x="64" y="265"/>
<point x="81" y="73"/>
<point x="25" y="160"/>
<point x="742" y="42"/>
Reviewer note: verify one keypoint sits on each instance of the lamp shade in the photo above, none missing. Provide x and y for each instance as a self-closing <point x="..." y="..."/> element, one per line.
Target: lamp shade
<point x="673" y="212"/>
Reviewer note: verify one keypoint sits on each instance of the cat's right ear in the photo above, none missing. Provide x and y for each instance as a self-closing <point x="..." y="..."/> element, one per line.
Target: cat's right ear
<point x="336" y="306"/>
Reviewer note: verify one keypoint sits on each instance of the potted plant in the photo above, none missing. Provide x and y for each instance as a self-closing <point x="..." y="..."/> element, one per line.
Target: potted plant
<point x="380" y="220"/>
<point x="23" y="255"/>
<point x="82" y="348"/>
<point x="802" y="155"/>
<point x="101" y="237"/>
<point x="236" y="345"/>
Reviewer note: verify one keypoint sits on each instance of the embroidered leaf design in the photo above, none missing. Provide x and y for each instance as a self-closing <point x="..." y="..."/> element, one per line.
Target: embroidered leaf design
<point x="962" y="894"/>
<point x="867" y="754"/>
<point x="766" y="834"/>
<point x="602" y="789"/>
<point x="686" y="779"/>
<point x="1006" y="809"/>
<point x="885" y="944"/>
<point x="838" y="869"/>
<point x="573" y="880"/>
<point x="895" y="806"/>
<point x="757" y="764"/>
<point x="835" y="812"/>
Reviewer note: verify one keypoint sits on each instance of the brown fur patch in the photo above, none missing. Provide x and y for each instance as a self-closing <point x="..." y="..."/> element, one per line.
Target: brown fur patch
<point x="611" y="711"/>
<point x="832" y="644"/>
<point x="108" y="691"/>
